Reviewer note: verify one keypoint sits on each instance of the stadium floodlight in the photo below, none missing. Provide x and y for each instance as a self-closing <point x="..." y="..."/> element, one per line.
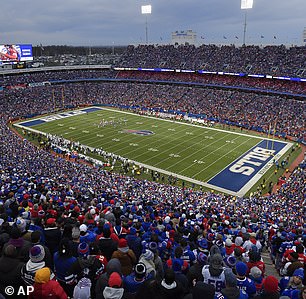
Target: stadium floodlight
<point x="245" y="5"/>
<point x="146" y="10"/>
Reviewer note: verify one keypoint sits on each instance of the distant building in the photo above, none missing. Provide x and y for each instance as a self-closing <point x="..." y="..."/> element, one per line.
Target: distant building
<point x="187" y="37"/>
<point x="304" y="36"/>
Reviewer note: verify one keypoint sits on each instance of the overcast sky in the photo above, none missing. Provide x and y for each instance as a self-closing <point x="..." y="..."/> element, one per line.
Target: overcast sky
<point x="120" y="22"/>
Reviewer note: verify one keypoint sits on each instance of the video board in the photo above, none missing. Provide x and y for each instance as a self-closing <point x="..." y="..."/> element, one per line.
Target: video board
<point x="11" y="54"/>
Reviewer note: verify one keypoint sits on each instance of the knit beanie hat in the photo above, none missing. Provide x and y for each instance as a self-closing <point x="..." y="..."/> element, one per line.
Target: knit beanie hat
<point x="10" y="251"/>
<point x="75" y="233"/>
<point x="83" y="249"/>
<point x="176" y="265"/>
<point x="202" y="258"/>
<point x="228" y="242"/>
<point x="230" y="261"/>
<point x="148" y="255"/>
<point x="271" y="284"/>
<point x="241" y="268"/>
<point x="21" y="224"/>
<point x="230" y="278"/>
<point x="238" y="241"/>
<point x="140" y="270"/>
<point x="37" y="253"/>
<point x="115" y="280"/>
<point x="299" y="273"/>
<point x="123" y="245"/>
<point x="153" y="246"/>
<point x="216" y="261"/>
<point x="133" y="231"/>
<point x="255" y="272"/>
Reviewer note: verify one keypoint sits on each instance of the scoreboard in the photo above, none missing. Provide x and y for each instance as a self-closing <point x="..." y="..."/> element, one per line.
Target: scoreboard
<point x="13" y="54"/>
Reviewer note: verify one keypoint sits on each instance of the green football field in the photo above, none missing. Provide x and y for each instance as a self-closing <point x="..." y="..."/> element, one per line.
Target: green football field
<point x="194" y="151"/>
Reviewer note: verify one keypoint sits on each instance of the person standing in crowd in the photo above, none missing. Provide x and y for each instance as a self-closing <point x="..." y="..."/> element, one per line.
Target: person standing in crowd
<point x="36" y="262"/>
<point x="294" y="284"/>
<point x="135" y="280"/>
<point x="10" y="269"/>
<point x="170" y="288"/>
<point x="36" y="240"/>
<point x="112" y="266"/>
<point x="45" y="287"/>
<point x="87" y="266"/>
<point x="213" y="273"/>
<point x="126" y="257"/>
<point x="244" y="283"/>
<point x="52" y="235"/>
<point x="22" y="246"/>
<point x="270" y="289"/>
<point x="106" y="244"/>
<point x="114" y="290"/>
<point x="63" y="260"/>
<point x="231" y="290"/>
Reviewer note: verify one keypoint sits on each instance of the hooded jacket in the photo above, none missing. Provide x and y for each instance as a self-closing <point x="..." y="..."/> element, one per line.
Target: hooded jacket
<point x="112" y="266"/>
<point x="127" y="260"/>
<point x="28" y="271"/>
<point x="113" y="293"/>
<point x="46" y="288"/>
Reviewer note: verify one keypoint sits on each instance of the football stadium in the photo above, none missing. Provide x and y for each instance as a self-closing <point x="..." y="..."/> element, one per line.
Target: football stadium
<point x="176" y="171"/>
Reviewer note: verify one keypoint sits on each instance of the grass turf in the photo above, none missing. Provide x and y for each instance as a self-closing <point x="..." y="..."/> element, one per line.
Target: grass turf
<point x="196" y="152"/>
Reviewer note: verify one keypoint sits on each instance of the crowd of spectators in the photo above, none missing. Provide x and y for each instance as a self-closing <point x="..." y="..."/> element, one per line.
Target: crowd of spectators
<point x="292" y="87"/>
<point x="272" y="60"/>
<point x="70" y="229"/>
<point x="251" y="111"/>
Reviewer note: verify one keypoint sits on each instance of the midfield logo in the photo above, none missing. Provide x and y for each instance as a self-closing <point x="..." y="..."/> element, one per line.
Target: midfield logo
<point x="139" y="132"/>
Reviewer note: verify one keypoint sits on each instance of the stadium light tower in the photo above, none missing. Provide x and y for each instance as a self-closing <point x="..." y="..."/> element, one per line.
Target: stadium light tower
<point x="146" y="10"/>
<point x="245" y="5"/>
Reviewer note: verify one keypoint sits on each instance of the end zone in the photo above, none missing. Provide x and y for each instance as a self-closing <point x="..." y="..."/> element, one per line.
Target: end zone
<point x="238" y="177"/>
<point x="41" y="120"/>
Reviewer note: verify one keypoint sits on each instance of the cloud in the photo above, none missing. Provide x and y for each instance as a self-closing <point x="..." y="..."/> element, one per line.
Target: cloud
<point x="102" y="22"/>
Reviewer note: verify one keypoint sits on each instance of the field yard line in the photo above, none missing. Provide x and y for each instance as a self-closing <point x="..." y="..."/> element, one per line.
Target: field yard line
<point x="182" y="177"/>
<point x="169" y="142"/>
<point x="207" y="154"/>
<point x="131" y="139"/>
<point x="200" y="126"/>
<point x="221" y="157"/>
<point x="152" y="143"/>
<point x="190" y="147"/>
<point x="106" y="141"/>
<point x="95" y="131"/>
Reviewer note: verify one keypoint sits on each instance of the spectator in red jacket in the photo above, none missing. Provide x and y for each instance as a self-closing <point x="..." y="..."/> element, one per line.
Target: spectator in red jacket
<point x="46" y="288"/>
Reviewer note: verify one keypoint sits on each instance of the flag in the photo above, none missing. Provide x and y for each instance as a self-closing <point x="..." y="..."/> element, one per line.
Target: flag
<point x="236" y="36"/>
<point x="224" y="37"/>
<point x="41" y="47"/>
<point x="274" y="37"/>
<point x="262" y="36"/>
<point x="161" y="38"/>
<point x="202" y="37"/>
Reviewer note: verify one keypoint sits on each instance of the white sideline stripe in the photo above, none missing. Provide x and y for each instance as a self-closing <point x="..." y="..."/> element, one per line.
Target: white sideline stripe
<point x="182" y="177"/>
<point x="161" y="119"/>
<point x="240" y="193"/>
